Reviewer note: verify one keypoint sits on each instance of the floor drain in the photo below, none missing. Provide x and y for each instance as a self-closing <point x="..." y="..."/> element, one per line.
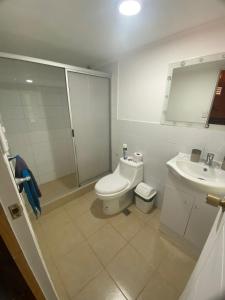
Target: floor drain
<point x="126" y="212"/>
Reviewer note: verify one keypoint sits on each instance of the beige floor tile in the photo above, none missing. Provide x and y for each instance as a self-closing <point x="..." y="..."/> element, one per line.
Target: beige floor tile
<point x="77" y="272"/>
<point x="57" y="188"/>
<point x="154" y="221"/>
<point x="91" y="196"/>
<point x="101" y="288"/>
<point x="61" y="240"/>
<point x="106" y="242"/>
<point x="127" y="226"/>
<point x="158" y="289"/>
<point x="97" y="210"/>
<point x="77" y="207"/>
<point x="150" y="244"/>
<point x="176" y="267"/>
<point x="42" y="242"/>
<point x="54" y="219"/>
<point x="145" y="217"/>
<point x="130" y="271"/>
<point x="89" y="224"/>
<point x="37" y="227"/>
<point x="77" y="268"/>
<point x="53" y="272"/>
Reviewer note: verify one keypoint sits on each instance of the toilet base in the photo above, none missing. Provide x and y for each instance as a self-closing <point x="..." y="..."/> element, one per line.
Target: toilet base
<point x="114" y="206"/>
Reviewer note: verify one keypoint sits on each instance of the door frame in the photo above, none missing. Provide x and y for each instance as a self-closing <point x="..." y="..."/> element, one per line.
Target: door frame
<point x="54" y="64"/>
<point x="16" y="252"/>
<point x="21" y="227"/>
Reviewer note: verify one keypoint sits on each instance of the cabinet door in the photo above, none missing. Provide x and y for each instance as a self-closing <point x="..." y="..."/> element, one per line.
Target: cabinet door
<point x="176" y="209"/>
<point x="200" y="222"/>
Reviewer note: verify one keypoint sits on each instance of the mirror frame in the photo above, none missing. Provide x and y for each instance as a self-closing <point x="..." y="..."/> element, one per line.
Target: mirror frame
<point x="180" y="64"/>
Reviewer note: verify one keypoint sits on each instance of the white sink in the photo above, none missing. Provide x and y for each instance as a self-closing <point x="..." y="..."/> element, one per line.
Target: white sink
<point x="205" y="178"/>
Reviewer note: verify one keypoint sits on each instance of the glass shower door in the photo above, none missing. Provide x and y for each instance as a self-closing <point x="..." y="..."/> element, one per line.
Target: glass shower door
<point x="34" y="110"/>
<point x="90" y="114"/>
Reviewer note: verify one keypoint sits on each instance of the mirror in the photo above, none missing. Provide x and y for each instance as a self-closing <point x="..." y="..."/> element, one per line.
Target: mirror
<point x="195" y="93"/>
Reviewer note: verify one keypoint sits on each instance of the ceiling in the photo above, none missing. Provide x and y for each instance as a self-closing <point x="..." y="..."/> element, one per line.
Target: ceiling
<point x="91" y="32"/>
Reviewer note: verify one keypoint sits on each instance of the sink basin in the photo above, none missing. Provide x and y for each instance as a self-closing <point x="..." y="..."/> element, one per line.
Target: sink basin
<point x="207" y="179"/>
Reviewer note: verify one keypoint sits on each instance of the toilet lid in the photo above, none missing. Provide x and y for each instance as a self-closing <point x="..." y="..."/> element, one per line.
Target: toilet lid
<point x="111" y="184"/>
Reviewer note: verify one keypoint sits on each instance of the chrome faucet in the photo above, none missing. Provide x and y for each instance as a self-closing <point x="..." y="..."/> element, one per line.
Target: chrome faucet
<point x="209" y="159"/>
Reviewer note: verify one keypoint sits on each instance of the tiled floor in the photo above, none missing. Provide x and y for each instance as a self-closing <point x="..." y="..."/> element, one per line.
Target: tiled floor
<point x="92" y="257"/>
<point x="57" y="188"/>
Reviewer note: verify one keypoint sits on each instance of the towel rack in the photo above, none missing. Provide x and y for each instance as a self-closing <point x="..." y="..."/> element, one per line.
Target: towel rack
<point x="11" y="157"/>
<point x="21" y="180"/>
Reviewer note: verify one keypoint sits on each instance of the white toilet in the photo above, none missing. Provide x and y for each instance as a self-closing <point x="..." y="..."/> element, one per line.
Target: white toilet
<point x="116" y="189"/>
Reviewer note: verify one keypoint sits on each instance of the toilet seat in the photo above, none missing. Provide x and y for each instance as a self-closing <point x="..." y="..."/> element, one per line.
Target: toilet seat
<point x="111" y="184"/>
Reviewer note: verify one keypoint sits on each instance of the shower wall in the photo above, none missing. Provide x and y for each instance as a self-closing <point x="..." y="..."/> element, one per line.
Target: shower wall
<point x="34" y="111"/>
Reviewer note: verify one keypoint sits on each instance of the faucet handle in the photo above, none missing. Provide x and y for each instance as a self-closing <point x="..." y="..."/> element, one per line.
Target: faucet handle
<point x="210" y="156"/>
<point x="209" y="159"/>
<point x="223" y="164"/>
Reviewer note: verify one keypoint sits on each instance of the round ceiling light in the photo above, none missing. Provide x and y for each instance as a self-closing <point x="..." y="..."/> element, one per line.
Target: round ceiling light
<point x="129" y="7"/>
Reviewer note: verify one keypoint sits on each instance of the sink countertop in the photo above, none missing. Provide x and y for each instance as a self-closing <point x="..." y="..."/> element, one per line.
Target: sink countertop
<point x="209" y="179"/>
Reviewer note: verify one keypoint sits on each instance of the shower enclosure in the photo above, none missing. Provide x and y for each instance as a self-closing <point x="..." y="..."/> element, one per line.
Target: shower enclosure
<point x="57" y="117"/>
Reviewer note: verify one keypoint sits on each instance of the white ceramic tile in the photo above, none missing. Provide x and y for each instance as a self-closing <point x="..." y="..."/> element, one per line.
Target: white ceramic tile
<point x="42" y="153"/>
<point x="9" y="97"/>
<point x="52" y="98"/>
<point x="37" y="124"/>
<point x="47" y="176"/>
<point x="33" y="113"/>
<point x="12" y="112"/>
<point x="37" y="137"/>
<point x="15" y="126"/>
<point x="159" y="143"/>
<point x="31" y="97"/>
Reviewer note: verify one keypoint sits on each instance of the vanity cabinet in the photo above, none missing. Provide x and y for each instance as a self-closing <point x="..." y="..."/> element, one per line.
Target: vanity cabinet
<point x="186" y="214"/>
<point x="176" y="209"/>
<point x="201" y="219"/>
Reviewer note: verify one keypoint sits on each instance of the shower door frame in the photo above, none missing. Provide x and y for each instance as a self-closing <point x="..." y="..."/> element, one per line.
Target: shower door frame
<point x="69" y="68"/>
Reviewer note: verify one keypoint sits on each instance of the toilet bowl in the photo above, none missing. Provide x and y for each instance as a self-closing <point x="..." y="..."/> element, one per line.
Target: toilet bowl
<point x="116" y="190"/>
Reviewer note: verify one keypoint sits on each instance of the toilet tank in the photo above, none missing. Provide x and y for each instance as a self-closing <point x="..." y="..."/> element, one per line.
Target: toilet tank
<point x="131" y="170"/>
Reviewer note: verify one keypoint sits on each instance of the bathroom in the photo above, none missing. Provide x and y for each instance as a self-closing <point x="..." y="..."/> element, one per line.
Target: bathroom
<point x="69" y="109"/>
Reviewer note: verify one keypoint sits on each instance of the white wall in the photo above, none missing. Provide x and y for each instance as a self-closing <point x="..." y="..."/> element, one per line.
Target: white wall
<point x="36" y="118"/>
<point x="142" y="75"/>
<point x="138" y="87"/>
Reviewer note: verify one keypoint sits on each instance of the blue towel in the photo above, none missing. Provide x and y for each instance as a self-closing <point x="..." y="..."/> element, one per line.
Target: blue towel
<point x="31" y="193"/>
<point x="30" y="187"/>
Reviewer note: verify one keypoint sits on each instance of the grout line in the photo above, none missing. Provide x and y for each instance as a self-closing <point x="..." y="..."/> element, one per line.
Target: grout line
<point x="116" y="284"/>
<point x="106" y="270"/>
<point x="86" y="239"/>
<point x="103" y="267"/>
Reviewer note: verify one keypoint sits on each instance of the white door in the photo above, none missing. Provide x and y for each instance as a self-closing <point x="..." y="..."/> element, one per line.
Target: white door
<point x="207" y="281"/>
<point x="21" y="226"/>
<point x="90" y="115"/>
